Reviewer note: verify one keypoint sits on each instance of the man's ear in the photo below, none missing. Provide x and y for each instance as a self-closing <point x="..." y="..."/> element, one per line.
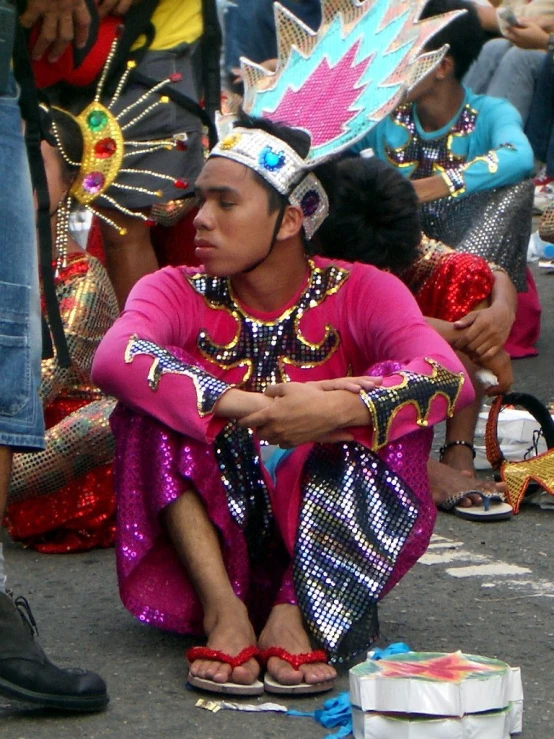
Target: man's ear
<point x="446" y="68"/>
<point x="291" y="224"/>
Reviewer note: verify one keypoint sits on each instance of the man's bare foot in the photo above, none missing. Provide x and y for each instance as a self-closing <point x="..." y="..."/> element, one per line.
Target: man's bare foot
<point x="230" y="631"/>
<point x="284" y="629"/>
<point x="446" y="482"/>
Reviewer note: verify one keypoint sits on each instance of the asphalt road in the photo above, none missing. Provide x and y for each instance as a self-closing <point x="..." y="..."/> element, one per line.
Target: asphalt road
<point x="508" y="615"/>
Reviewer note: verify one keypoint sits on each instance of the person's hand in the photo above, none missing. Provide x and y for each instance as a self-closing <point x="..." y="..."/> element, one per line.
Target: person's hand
<point x="501" y="366"/>
<point x="63" y="21"/>
<point x="430" y="188"/>
<point x="352" y="384"/>
<point x="527" y="35"/>
<point x="114" y="7"/>
<point x="303" y="413"/>
<point x="483" y="333"/>
<point x="269" y="64"/>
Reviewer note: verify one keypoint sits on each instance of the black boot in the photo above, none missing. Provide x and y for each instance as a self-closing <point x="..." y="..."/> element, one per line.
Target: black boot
<point x="27" y="674"/>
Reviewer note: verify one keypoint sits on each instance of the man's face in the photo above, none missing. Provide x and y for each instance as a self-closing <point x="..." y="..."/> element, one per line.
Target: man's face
<point x="234" y="228"/>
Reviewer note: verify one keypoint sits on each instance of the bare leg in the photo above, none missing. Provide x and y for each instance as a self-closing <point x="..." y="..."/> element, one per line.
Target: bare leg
<point x="6" y="455"/>
<point x="461" y="427"/>
<point x="455" y="472"/>
<point x="226" y="621"/>
<point x="128" y="257"/>
<point x="284" y="628"/>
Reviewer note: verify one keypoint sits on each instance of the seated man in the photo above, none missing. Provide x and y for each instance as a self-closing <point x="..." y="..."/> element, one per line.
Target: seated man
<point x="470" y="303"/>
<point x="331" y="361"/>
<point x="464" y="153"/>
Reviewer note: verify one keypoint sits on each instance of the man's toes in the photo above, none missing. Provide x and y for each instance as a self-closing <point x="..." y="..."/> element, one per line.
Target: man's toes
<point x="245" y="674"/>
<point x="284" y="673"/>
<point x="210" y="670"/>
<point x="318" y="673"/>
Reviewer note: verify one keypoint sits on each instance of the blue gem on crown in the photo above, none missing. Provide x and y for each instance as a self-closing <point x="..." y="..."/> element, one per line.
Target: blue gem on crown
<point x="271" y="160"/>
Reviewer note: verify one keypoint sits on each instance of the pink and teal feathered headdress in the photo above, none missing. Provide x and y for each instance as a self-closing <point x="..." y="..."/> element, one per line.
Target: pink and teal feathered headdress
<point x="335" y="84"/>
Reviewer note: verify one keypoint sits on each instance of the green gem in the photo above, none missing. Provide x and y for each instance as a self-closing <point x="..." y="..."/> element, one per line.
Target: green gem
<point x="96" y="120"/>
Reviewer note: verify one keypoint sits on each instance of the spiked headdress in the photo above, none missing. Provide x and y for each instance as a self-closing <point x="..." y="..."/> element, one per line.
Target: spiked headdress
<point x="107" y="146"/>
<point x="335" y="83"/>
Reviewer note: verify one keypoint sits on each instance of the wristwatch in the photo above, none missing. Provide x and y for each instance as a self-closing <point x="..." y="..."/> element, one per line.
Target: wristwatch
<point x="550" y="44"/>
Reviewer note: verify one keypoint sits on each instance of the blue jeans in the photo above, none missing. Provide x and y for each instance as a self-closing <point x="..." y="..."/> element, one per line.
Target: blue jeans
<point x="505" y="71"/>
<point x="540" y="122"/>
<point x="21" y="420"/>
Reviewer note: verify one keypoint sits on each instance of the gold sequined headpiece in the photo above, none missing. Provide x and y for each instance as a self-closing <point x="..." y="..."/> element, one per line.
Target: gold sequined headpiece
<point x="335" y="84"/>
<point x="105" y="146"/>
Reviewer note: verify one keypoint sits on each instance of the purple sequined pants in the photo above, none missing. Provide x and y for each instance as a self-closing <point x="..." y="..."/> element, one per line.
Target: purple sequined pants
<point x="316" y="507"/>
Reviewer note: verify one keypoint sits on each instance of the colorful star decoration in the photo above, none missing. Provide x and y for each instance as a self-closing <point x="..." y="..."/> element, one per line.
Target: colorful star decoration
<point x="452" y="668"/>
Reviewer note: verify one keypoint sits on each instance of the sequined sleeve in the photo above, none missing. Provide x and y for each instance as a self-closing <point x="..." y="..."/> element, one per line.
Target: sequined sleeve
<point x="88" y="308"/>
<point x="506" y="158"/>
<point x="207" y="387"/>
<point x="143" y="362"/>
<point x="389" y="327"/>
<point x="448" y="284"/>
<point x="416" y="390"/>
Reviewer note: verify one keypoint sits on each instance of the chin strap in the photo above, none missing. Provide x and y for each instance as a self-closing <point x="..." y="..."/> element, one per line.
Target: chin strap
<point x="276" y="228"/>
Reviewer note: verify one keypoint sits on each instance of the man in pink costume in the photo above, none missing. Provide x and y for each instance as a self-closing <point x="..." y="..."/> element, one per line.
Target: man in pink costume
<point x="263" y="344"/>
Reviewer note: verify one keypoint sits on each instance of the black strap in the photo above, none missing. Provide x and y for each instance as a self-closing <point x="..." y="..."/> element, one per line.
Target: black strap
<point x="137" y="22"/>
<point x="29" y="103"/>
<point x="210" y="56"/>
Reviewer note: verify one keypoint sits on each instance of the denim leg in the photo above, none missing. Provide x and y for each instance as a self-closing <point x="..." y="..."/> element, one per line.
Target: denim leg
<point x="21" y="423"/>
<point x="482" y="70"/>
<point x="540" y="121"/>
<point x="516" y="78"/>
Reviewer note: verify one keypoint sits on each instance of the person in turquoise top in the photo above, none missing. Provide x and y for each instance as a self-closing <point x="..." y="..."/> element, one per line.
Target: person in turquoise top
<point x="467" y="158"/>
<point x="446" y="139"/>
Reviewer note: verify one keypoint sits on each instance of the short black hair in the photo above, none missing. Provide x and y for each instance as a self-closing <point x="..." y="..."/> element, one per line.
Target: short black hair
<point x="375" y="218"/>
<point x="464" y="35"/>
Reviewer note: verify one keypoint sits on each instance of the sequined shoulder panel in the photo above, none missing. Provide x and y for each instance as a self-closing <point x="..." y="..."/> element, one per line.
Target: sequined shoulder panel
<point x="265" y="348"/>
<point x="432" y="156"/>
<point x="417" y="389"/>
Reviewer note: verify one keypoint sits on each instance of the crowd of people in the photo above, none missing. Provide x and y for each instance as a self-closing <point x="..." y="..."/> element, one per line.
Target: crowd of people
<point x="261" y="332"/>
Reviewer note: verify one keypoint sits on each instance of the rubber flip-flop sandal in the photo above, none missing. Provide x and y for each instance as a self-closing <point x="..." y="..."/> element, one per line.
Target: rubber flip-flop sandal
<point x="271" y="685"/>
<point x="491" y="510"/>
<point x="449" y="505"/>
<point x="230" y="688"/>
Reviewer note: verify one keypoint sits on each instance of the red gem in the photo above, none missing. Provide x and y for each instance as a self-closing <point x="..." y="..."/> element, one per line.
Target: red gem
<point x="181" y="145"/>
<point x="181" y="184"/>
<point x="175" y="77"/>
<point x="105" y="148"/>
<point x="150" y="222"/>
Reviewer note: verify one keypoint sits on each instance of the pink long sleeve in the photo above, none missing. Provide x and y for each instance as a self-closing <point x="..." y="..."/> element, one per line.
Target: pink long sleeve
<point x="161" y="312"/>
<point x="432" y="382"/>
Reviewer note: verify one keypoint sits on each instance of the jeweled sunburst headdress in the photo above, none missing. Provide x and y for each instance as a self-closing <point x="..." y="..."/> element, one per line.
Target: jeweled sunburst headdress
<point x="335" y="83"/>
<point x="107" y="146"/>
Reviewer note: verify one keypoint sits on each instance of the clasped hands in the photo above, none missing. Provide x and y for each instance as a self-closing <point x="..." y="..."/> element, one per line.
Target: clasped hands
<point x="294" y="413"/>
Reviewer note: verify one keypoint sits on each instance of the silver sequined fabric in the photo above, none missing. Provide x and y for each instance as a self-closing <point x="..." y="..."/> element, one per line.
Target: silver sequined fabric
<point x="494" y="224"/>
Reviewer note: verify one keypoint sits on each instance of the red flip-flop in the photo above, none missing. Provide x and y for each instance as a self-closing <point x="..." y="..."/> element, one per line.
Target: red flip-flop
<point x="230" y="688"/>
<point x="295" y="660"/>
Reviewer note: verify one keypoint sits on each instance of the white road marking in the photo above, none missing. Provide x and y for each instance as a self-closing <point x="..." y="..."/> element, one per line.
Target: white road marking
<point x="444" y="551"/>
<point x="498" y="569"/>
<point x="452" y="555"/>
